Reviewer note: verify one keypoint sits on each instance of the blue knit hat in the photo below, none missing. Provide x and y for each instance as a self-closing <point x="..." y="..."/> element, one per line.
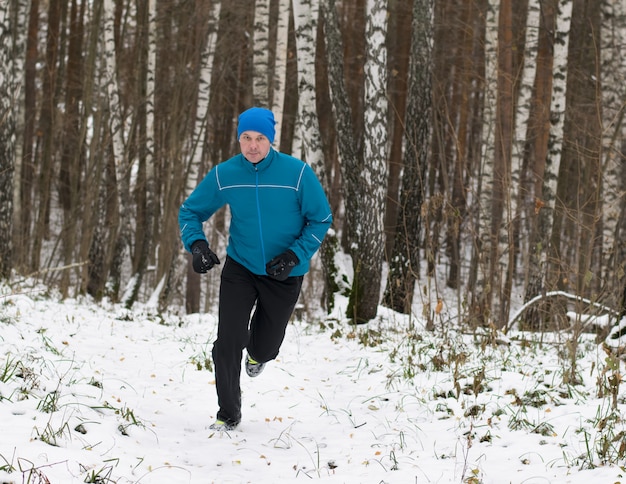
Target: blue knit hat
<point x="260" y="120"/>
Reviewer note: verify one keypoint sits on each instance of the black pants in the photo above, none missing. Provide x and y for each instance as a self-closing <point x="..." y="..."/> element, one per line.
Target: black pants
<point x="262" y="334"/>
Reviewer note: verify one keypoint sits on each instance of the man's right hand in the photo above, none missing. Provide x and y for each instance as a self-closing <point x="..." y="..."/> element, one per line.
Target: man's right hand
<point x="203" y="258"/>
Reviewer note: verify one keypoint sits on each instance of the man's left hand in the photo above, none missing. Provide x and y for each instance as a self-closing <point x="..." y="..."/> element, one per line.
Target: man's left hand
<point x="281" y="266"/>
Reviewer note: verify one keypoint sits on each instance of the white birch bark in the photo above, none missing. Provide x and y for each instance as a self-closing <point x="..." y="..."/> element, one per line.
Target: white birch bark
<point x="306" y="13"/>
<point x="204" y="90"/>
<point x="485" y="177"/>
<point x="18" y="13"/>
<point x="8" y="103"/>
<point x="112" y="88"/>
<point x="614" y="122"/>
<point x="521" y="123"/>
<point x="151" y="200"/>
<point x="555" y="144"/>
<point x="558" y="102"/>
<point x="260" y="46"/>
<point x="150" y="88"/>
<point x="374" y="173"/>
<point x="280" y="65"/>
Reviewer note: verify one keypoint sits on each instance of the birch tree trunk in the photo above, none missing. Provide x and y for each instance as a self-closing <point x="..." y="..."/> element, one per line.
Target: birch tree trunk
<point x="308" y="136"/>
<point x="350" y="164"/>
<point x="118" y="166"/>
<point x="404" y="263"/>
<point x="481" y="291"/>
<point x="305" y="15"/>
<point x="145" y="189"/>
<point x="280" y="65"/>
<point x="575" y="240"/>
<point x="8" y="96"/>
<point x="261" y="53"/>
<point x="198" y="141"/>
<point x="372" y="178"/>
<point x="363" y="181"/>
<point x="536" y="194"/>
<point x="614" y="129"/>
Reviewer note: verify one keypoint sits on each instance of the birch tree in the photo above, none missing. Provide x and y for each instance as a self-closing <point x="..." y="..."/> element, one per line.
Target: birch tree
<point x="305" y="15"/>
<point x="197" y="143"/>
<point x="480" y="287"/>
<point x="537" y="194"/>
<point x="363" y="181"/>
<point x="373" y="175"/>
<point x="574" y="242"/>
<point x="614" y="153"/>
<point x="404" y="264"/>
<point x="279" y="78"/>
<point x="308" y="141"/>
<point x="8" y="96"/>
<point x="261" y="54"/>
<point x="145" y="190"/>
<point x="118" y="165"/>
<point x="345" y="132"/>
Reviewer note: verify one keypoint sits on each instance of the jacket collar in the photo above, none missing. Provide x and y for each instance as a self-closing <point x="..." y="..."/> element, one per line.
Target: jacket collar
<point x="262" y="165"/>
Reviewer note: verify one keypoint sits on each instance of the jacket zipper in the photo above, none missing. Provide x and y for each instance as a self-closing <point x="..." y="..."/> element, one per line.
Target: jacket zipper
<point x="258" y="210"/>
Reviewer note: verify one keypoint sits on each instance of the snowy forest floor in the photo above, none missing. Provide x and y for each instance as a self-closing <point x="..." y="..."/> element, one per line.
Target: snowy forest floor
<point x="98" y="393"/>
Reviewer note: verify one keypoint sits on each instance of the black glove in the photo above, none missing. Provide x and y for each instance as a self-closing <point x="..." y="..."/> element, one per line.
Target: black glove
<point x="203" y="258"/>
<point x="280" y="266"/>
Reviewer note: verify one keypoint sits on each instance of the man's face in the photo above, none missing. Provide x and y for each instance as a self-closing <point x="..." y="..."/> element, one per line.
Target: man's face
<point x="254" y="145"/>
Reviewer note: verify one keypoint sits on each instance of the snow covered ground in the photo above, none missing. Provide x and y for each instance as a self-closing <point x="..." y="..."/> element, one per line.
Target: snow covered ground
<point x="97" y="393"/>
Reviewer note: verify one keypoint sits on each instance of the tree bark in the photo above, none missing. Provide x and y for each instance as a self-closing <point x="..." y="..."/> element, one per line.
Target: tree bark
<point x="8" y="94"/>
<point x="404" y="264"/>
<point x="575" y="242"/>
<point x="500" y="258"/>
<point x="534" y="191"/>
<point x="25" y="209"/>
<point x="47" y="130"/>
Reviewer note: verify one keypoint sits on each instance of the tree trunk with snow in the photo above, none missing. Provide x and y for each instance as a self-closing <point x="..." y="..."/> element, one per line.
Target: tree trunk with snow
<point x="365" y="181"/>
<point x="372" y="178"/>
<point x="342" y="113"/>
<point x="308" y="136"/>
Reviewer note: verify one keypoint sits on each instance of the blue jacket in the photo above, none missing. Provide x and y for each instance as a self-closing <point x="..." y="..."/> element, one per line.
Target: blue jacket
<point x="275" y="205"/>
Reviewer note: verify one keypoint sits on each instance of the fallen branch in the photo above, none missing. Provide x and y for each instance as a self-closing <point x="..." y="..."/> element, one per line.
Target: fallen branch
<point x="566" y="295"/>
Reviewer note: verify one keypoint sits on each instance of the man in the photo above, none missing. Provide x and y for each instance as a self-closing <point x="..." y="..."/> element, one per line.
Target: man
<point x="279" y="217"/>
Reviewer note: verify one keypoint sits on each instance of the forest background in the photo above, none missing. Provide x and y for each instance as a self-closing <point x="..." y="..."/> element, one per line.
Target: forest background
<point x="477" y="146"/>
